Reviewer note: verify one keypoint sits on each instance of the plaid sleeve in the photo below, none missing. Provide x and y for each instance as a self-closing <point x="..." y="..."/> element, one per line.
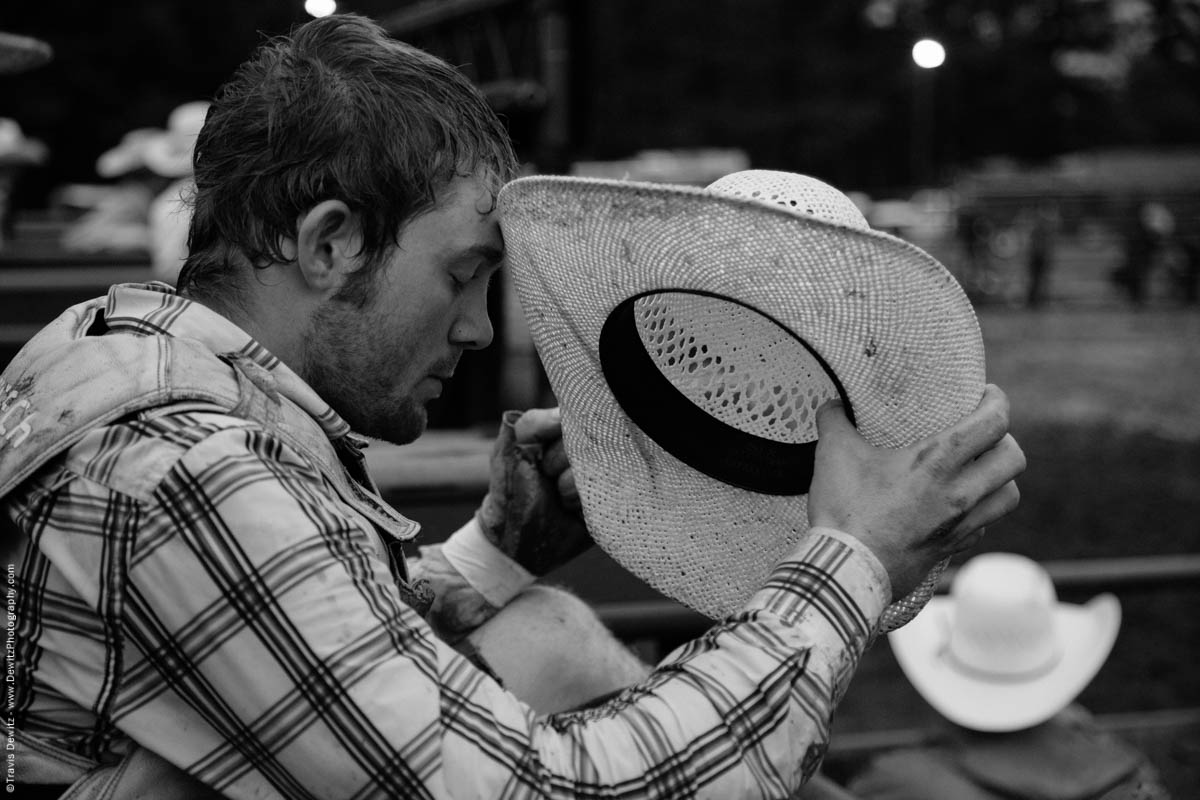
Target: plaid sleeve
<point x="265" y="647"/>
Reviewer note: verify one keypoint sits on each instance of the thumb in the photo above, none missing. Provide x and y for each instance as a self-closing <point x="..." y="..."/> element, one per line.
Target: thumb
<point x="538" y="425"/>
<point x="832" y="420"/>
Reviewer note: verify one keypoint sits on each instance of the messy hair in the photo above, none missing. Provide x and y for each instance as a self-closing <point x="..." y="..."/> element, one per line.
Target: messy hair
<point x="336" y="110"/>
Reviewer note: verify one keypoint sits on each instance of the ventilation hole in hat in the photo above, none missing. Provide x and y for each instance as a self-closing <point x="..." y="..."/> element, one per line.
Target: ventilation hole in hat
<point x="734" y="402"/>
<point x="769" y="374"/>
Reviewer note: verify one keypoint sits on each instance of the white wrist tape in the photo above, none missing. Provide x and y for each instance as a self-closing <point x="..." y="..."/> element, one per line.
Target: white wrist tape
<point x="489" y="571"/>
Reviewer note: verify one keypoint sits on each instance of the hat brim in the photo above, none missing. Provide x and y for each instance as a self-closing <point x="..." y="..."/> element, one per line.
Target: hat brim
<point x="22" y="53"/>
<point x="891" y="323"/>
<point x="1085" y="633"/>
<point x="27" y="152"/>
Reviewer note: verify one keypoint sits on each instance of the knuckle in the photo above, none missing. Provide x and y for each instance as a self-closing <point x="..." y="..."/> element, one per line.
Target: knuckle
<point x="1000" y="421"/>
<point x="959" y="502"/>
<point x="927" y="454"/>
<point x="971" y="540"/>
<point x="1012" y="497"/>
<point x="1020" y="461"/>
<point x="1000" y="399"/>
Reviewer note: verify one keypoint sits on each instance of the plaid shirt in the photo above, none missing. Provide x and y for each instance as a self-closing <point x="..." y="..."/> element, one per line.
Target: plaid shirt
<point x="188" y="582"/>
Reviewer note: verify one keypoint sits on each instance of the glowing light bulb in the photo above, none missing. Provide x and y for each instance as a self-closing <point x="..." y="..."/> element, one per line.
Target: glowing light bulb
<point x="928" y="54"/>
<point x="320" y="8"/>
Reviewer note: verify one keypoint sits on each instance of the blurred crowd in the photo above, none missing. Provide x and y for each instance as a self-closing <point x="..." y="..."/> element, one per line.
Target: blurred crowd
<point x="141" y="205"/>
<point x="1011" y="252"/>
<point x="144" y="204"/>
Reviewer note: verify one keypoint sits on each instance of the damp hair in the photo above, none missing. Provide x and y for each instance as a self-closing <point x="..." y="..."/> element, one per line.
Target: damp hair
<point x="335" y="110"/>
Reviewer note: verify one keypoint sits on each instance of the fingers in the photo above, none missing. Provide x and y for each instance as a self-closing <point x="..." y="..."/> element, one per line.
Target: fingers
<point x="979" y="430"/>
<point x="998" y="466"/>
<point x="554" y="459"/>
<point x="568" y="492"/>
<point x="556" y="467"/>
<point x="1003" y="462"/>
<point x="991" y="508"/>
<point x="554" y="463"/>
<point x="832" y="420"/>
<point x="538" y="425"/>
<point x="949" y="450"/>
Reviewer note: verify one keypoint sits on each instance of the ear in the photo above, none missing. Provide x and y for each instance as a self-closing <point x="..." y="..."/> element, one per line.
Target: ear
<point x="328" y="242"/>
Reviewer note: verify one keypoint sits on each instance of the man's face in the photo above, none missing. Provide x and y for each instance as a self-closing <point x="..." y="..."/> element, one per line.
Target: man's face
<point x="380" y="365"/>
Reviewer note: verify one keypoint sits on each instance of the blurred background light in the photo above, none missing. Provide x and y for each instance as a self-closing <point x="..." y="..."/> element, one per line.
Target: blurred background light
<point x="320" y="8"/>
<point x="928" y="54"/>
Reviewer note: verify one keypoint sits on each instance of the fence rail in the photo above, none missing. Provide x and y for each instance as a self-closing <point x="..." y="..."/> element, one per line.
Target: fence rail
<point x="668" y="619"/>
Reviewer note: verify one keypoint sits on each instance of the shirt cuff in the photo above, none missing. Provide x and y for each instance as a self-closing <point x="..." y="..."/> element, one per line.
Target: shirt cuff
<point x="484" y="566"/>
<point x="832" y="576"/>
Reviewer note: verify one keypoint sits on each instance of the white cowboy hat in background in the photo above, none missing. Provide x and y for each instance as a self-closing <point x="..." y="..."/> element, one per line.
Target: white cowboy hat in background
<point x="690" y="335"/>
<point x="170" y="155"/>
<point x="165" y="152"/>
<point x="129" y="155"/>
<point x="17" y="149"/>
<point x="1001" y="653"/>
<point x="20" y="53"/>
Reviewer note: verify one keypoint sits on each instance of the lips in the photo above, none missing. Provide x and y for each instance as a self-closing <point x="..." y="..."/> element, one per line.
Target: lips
<point x="444" y="370"/>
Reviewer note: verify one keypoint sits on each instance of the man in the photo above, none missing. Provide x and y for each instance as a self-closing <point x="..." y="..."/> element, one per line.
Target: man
<point x="1003" y="661"/>
<point x="206" y="578"/>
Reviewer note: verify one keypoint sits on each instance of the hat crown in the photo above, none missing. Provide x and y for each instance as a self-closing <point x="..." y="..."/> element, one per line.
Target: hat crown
<point x="187" y="120"/>
<point x="11" y="134"/>
<point x="800" y="194"/>
<point x="729" y="360"/>
<point x="1002" y="622"/>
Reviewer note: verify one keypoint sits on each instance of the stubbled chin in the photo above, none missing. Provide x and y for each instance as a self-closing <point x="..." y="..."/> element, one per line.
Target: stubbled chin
<point x="405" y="424"/>
<point x="401" y="422"/>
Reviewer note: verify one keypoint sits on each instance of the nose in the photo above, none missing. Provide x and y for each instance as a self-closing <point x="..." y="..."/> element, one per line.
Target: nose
<point x="472" y="330"/>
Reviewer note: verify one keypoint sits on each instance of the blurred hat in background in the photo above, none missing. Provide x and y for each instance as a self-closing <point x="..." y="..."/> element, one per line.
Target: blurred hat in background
<point x="20" y="53"/>
<point x="170" y="154"/>
<point x="1000" y="653"/>
<point x="128" y="156"/>
<point x="16" y="149"/>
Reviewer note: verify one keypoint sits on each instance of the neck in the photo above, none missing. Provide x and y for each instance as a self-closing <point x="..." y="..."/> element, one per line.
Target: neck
<point x="270" y="308"/>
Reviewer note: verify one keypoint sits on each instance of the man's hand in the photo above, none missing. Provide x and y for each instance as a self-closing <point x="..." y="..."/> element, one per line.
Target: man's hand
<point x="532" y="510"/>
<point x="918" y="505"/>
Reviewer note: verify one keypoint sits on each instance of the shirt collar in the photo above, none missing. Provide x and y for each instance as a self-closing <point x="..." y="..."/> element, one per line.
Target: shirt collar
<point x="155" y="309"/>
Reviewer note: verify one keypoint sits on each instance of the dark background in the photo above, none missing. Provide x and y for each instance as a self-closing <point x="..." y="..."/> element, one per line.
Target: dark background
<point x="1103" y="390"/>
<point x="824" y="86"/>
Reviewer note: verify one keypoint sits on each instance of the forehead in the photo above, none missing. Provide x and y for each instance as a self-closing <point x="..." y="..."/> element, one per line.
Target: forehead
<point x="464" y="219"/>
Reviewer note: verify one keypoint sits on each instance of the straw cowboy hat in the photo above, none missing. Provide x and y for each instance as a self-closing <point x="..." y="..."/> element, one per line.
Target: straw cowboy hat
<point x="690" y="336"/>
<point x="1001" y="653"/>
<point x="20" y="53"/>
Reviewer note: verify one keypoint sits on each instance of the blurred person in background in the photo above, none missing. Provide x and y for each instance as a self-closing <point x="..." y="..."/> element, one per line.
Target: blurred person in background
<point x="116" y="215"/>
<point x="147" y="208"/>
<point x="17" y="152"/>
<point x="1148" y="228"/>
<point x="1043" y="225"/>
<point x="974" y="232"/>
<point x="170" y="156"/>
<point x="1002" y="660"/>
<point x="211" y="596"/>
<point x="1188" y="278"/>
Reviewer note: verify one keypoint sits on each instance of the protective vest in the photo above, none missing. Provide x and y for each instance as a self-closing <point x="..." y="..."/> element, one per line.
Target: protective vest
<point x="70" y="379"/>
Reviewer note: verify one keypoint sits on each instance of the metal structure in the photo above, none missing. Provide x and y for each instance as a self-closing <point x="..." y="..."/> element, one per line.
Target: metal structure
<point x="516" y="51"/>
